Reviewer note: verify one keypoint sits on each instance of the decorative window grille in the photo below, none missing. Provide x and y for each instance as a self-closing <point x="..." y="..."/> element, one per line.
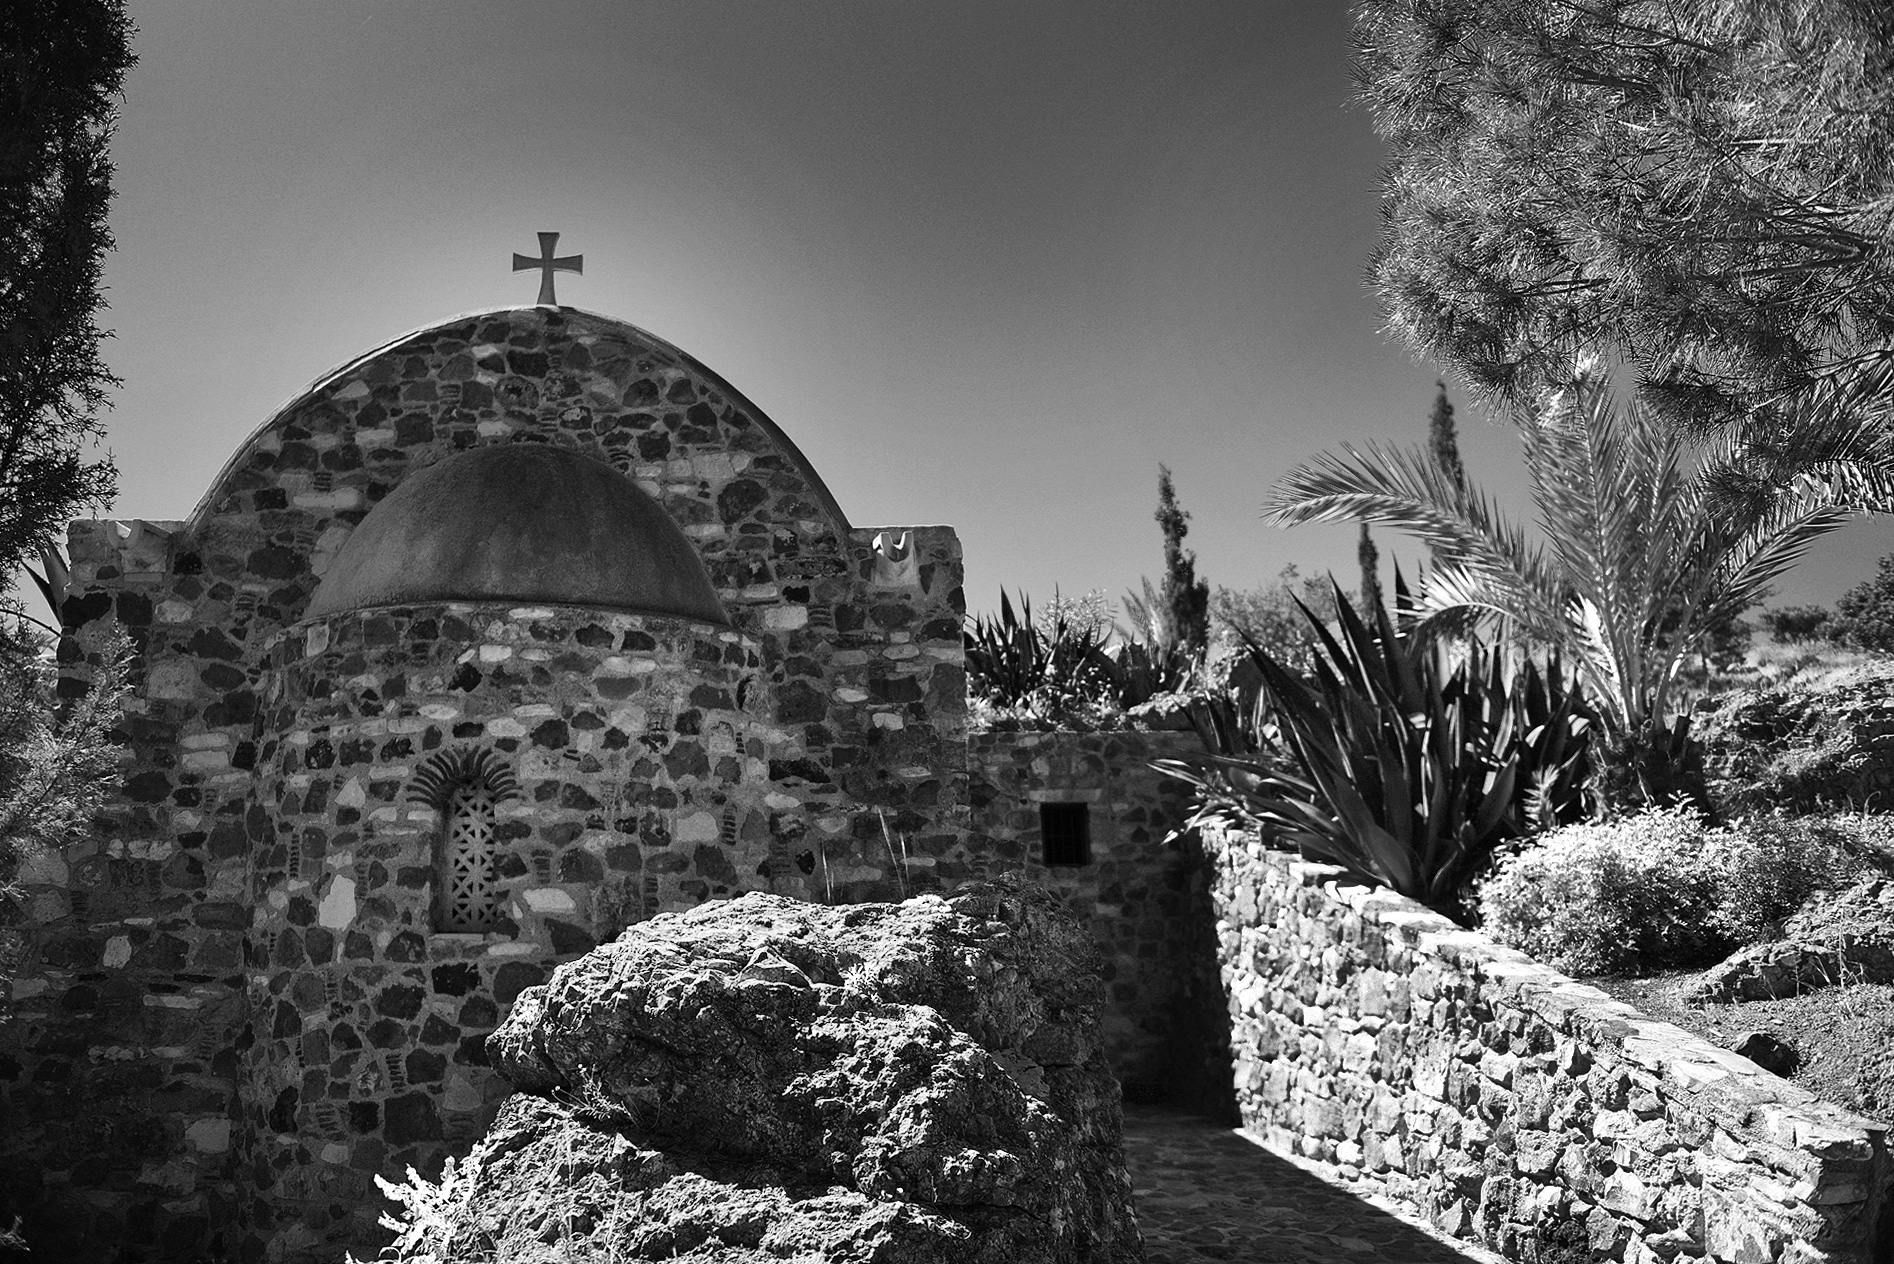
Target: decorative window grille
<point x="1065" y="832"/>
<point x="471" y="880"/>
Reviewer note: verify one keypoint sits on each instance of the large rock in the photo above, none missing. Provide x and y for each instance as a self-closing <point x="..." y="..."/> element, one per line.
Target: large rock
<point x="762" y="1079"/>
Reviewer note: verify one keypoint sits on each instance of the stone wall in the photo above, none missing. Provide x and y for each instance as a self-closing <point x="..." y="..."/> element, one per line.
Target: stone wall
<point x="1512" y="1105"/>
<point x="1147" y="903"/>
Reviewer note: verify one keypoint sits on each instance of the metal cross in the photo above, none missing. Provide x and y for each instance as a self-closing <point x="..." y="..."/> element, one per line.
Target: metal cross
<point x="548" y="265"/>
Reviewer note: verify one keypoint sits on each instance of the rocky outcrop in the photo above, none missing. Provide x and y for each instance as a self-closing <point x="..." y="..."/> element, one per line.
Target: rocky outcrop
<point x="1803" y="746"/>
<point x="1845" y="939"/>
<point x="763" y="1079"/>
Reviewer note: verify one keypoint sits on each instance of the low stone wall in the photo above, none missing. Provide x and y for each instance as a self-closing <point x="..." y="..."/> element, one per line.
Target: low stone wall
<point x="1512" y="1105"/>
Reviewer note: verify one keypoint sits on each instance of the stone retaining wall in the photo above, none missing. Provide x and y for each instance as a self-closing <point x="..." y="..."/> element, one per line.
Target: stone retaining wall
<point x="1513" y="1105"/>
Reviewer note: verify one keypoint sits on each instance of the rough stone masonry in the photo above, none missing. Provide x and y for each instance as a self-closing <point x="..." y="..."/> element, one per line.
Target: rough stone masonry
<point x="630" y="657"/>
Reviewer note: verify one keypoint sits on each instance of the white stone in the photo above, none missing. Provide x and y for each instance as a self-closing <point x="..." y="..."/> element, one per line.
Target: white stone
<point x="375" y="436"/>
<point x="352" y="795"/>
<point x="357" y="389"/>
<point x="494" y="428"/>
<point x="848" y="693"/>
<point x="889" y="720"/>
<point x="210" y="1136"/>
<point x="118" y="951"/>
<point x="335" y="1152"/>
<point x="26" y="989"/>
<point x="317" y="640"/>
<point x="495" y="653"/>
<point x="206" y="759"/>
<point x="205" y="741"/>
<point x="698" y="827"/>
<point x="549" y="900"/>
<point x="505" y="726"/>
<point x="340" y="498"/>
<point x="439" y="711"/>
<point x="174" y="612"/>
<point x="337" y="909"/>
<point x="533" y="711"/>
<point x="171" y="1000"/>
<point x="786" y="618"/>
<point x="901" y="651"/>
<point x="780" y="802"/>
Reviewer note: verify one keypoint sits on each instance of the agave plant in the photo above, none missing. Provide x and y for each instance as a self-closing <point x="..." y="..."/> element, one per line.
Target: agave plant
<point x="1651" y="540"/>
<point x="1405" y="760"/>
<point x="1044" y="666"/>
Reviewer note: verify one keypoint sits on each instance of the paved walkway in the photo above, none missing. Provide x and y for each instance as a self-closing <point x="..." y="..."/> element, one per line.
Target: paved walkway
<point x="1207" y="1193"/>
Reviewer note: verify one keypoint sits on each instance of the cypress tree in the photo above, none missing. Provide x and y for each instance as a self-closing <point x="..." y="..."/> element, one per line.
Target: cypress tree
<point x="1369" y="558"/>
<point x="1443" y="440"/>
<point x="1186" y="598"/>
<point x="61" y="64"/>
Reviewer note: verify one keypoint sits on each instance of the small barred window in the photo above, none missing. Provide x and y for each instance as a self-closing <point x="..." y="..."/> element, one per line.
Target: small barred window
<point x="470" y="879"/>
<point x="1065" y="833"/>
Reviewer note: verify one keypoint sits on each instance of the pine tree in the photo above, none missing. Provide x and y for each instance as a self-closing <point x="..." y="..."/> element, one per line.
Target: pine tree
<point x="61" y="63"/>
<point x="1186" y="598"/>
<point x="1699" y="190"/>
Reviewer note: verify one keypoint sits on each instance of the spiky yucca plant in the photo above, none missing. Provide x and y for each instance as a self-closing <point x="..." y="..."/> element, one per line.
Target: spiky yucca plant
<point x="1650" y="539"/>
<point x="1405" y="760"/>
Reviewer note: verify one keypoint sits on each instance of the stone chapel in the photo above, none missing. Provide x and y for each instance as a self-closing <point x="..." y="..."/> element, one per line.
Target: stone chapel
<point x="520" y="629"/>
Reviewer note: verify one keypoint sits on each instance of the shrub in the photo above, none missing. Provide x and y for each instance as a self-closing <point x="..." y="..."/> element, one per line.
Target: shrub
<point x="1790" y="625"/>
<point x="1660" y="888"/>
<point x="1864" y="616"/>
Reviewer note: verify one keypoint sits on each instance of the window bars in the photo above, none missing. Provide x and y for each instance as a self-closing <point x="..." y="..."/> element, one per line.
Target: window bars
<point x="471" y="878"/>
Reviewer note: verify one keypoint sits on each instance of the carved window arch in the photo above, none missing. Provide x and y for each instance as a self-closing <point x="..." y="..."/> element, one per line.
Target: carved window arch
<point x="466" y="787"/>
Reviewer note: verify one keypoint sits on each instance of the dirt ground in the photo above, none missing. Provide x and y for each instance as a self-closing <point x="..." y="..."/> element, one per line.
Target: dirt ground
<point x="1844" y="1034"/>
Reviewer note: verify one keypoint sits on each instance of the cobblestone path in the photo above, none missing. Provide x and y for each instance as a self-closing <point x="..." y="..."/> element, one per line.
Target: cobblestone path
<point x="1205" y="1193"/>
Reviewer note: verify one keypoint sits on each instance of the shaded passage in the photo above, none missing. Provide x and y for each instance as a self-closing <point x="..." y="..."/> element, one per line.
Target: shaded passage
<point x="1205" y="1193"/>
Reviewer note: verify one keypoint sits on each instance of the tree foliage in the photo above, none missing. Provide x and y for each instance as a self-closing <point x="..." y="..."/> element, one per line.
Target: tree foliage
<point x="1270" y="616"/>
<point x="1635" y="570"/>
<point x="61" y="63"/>
<point x="1368" y="559"/>
<point x="55" y="764"/>
<point x="1864" y="615"/>
<point x="1186" y="599"/>
<point x="1703" y="190"/>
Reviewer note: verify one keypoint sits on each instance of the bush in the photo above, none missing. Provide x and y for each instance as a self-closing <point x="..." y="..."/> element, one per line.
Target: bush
<point x="1792" y="625"/>
<point x="1661" y="888"/>
<point x="1864" y="616"/>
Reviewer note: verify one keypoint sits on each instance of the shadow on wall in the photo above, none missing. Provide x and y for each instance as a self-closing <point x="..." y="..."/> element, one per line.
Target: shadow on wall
<point x="1198" y="1051"/>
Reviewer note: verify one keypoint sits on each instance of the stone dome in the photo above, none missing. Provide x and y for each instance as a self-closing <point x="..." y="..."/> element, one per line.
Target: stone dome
<point x="519" y="522"/>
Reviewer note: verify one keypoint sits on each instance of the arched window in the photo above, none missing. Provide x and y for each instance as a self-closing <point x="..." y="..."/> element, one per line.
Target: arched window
<point x="466" y="787"/>
<point x="469" y="871"/>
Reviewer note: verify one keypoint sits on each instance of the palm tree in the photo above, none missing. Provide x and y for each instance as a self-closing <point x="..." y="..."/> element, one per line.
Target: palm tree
<point x="1650" y="540"/>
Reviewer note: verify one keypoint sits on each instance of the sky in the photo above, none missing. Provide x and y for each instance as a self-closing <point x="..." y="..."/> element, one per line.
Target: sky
<point x="988" y="263"/>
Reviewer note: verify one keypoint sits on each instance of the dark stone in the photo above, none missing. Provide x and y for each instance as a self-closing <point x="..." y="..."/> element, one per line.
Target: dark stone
<point x="409" y="1118"/>
<point x="283" y="1113"/>
<point x="798" y="702"/>
<point x="569" y="940"/>
<point x="400" y="1000"/>
<point x="147" y="787"/>
<point x="364" y="1116"/>
<point x="426" y="1067"/>
<point x="408" y="946"/>
<point x="456" y="978"/>
<point x="1770" y="1052"/>
<point x="553" y="734"/>
<point x="740" y="498"/>
<point x="515" y="977"/>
